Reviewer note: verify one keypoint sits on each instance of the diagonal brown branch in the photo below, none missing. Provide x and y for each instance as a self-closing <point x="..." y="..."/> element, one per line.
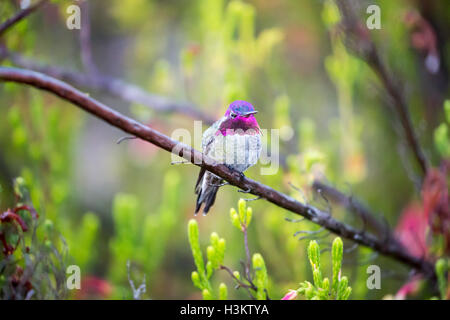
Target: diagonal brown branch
<point x="19" y="16"/>
<point x="324" y="219"/>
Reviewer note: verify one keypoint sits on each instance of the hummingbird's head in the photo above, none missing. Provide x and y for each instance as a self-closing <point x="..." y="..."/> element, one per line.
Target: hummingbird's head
<point x="240" y="115"/>
<point x="240" y="109"/>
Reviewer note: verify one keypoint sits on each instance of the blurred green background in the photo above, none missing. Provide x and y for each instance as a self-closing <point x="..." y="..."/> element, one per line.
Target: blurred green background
<point x="117" y="202"/>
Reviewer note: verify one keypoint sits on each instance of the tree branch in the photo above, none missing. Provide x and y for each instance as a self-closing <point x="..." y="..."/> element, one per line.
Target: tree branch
<point x="19" y="16"/>
<point x="357" y="39"/>
<point x="324" y="219"/>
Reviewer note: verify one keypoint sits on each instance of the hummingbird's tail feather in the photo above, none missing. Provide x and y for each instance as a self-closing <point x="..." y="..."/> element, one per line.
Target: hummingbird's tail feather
<point x="209" y="201"/>
<point x="198" y="184"/>
<point x="207" y="189"/>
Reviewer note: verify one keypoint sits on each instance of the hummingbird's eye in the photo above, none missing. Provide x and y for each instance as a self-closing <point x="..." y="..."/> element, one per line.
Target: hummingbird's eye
<point x="233" y="115"/>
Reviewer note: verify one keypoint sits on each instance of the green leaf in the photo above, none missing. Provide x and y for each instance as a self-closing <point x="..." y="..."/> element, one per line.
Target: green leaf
<point x="260" y="276"/>
<point x="317" y="277"/>
<point x="214" y="239"/>
<point x="342" y="288"/>
<point x="235" y="219"/>
<point x="223" y="291"/>
<point x="196" y="279"/>
<point x="314" y="254"/>
<point x="242" y="211"/>
<point x="248" y="216"/>
<point x="221" y="251"/>
<point x="207" y="294"/>
<point x="195" y="247"/>
<point x="325" y="289"/>
<point x="337" y="251"/>
<point x="209" y="269"/>
<point x="211" y="254"/>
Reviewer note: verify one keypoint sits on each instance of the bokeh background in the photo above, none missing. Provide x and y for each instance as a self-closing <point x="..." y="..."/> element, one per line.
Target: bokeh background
<point x="103" y="203"/>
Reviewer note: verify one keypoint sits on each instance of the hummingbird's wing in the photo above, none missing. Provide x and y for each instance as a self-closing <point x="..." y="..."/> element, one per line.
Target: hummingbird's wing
<point x="207" y="141"/>
<point x="207" y="183"/>
<point x="208" y="191"/>
<point x="209" y="134"/>
<point x="198" y="184"/>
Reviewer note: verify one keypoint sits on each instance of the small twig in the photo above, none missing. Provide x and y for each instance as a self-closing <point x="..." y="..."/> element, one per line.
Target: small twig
<point x="240" y="283"/>
<point x="122" y="139"/>
<point x="302" y="194"/>
<point x="312" y="232"/>
<point x="247" y="253"/>
<point x="248" y="277"/>
<point x="294" y="220"/>
<point x="329" y="208"/>
<point x="22" y="14"/>
<point x="352" y="248"/>
<point x="312" y="236"/>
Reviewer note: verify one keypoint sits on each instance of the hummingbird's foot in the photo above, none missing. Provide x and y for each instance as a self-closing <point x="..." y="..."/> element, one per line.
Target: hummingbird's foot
<point x="240" y="173"/>
<point x="249" y="199"/>
<point x="180" y="162"/>
<point x="244" y="191"/>
<point x="219" y="185"/>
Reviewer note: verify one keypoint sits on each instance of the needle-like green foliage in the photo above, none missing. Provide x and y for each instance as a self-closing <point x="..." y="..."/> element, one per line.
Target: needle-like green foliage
<point x="321" y="289"/>
<point x="215" y="253"/>
<point x="255" y="277"/>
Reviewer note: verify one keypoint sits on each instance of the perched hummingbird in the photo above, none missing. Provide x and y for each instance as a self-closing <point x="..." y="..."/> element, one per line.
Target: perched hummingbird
<point x="234" y="140"/>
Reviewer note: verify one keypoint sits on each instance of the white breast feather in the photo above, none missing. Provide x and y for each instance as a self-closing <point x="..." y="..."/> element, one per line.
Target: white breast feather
<point x="238" y="151"/>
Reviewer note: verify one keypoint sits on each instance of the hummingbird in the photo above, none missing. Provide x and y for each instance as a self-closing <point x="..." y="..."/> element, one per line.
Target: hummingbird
<point x="233" y="140"/>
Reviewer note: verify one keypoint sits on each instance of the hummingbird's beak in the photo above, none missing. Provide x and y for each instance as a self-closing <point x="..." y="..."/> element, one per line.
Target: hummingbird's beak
<point x="249" y="113"/>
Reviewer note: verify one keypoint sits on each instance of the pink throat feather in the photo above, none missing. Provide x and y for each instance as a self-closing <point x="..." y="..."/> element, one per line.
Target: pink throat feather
<point x="239" y="125"/>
